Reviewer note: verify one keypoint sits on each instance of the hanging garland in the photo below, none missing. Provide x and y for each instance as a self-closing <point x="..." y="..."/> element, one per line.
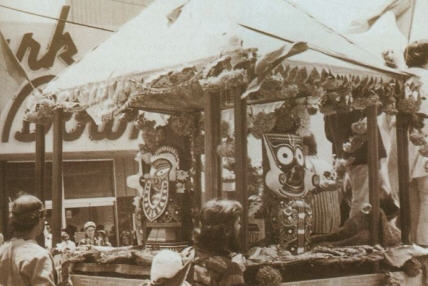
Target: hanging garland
<point x="182" y="124"/>
<point x="152" y="136"/>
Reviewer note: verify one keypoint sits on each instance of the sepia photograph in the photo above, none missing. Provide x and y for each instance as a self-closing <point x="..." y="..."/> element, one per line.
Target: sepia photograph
<point x="213" y="142"/>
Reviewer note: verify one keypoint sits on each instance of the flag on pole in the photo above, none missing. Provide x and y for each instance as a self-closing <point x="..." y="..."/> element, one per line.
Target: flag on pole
<point x="397" y="7"/>
<point x="9" y="64"/>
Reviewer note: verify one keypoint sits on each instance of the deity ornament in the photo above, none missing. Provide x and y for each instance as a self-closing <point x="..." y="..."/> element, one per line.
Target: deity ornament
<point x="157" y="193"/>
<point x="288" y="182"/>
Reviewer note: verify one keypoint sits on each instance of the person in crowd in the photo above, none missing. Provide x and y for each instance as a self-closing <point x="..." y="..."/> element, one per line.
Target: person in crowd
<point x="125" y="238"/>
<point x="66" y="243"/>
<point x="47" y="233"/>
<point x="71" y="230"/>
<point x="338" y="130"/>
<point x="1" y="238"/>
<point x="214" y="257"/>
<point x="416" y="58"/>
<point x="89" y="229"/>
<point x="325" y="200"/>
<point x="101" y="238"/>
<point x="112" y="236"/>
<point x="168" y="269"/>
<point x="22" y="260"/>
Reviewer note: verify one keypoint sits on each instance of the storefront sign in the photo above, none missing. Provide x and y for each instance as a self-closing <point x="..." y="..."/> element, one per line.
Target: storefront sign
<point x="43" y="54"/>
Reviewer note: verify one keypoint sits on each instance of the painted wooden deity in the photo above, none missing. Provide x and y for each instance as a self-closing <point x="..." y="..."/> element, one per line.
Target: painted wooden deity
<point x="157" y="199"/>
<point x="287" y="212"/>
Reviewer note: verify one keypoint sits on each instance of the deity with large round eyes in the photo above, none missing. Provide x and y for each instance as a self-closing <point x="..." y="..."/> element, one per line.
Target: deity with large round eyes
<point x="288" y="213"/>
<point x="286" y="176"/>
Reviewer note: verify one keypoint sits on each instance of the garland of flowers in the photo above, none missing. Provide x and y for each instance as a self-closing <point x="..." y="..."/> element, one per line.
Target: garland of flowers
<point x="152" y="136"/>
<point x="291" y="117"/>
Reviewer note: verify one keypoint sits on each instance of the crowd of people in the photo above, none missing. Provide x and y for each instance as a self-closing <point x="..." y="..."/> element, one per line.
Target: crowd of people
<point x="213" y="261"/>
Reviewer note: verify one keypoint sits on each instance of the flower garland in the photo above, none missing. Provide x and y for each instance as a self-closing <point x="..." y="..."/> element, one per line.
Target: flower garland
<point x="152" y="136"/>
<point x="291" y="117"/>
<point x="182" y="124"/>
<point x="40" y="109"/>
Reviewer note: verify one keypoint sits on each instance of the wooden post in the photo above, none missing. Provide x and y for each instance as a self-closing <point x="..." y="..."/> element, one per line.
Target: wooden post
<point x="241" y="170"/>
<point x="57" y="177"/>
<point x="403" y="176"/>
<point x="212" y="140"/>
<point x="373" y="169"/>
<point x="197" y="166"/>
<point x="40" y="162"/>
<point x="4" y="202"/>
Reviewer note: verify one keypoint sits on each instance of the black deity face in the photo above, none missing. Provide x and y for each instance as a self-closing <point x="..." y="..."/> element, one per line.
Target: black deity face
<point x="286" y="161"/>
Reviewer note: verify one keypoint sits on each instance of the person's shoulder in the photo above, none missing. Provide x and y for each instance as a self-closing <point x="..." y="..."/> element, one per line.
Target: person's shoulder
<point x="29" y="250"/>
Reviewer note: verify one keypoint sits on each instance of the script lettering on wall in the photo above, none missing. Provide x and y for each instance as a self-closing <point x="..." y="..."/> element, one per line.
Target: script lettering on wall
<point x="60" y="41"/>
<point x="63" y="47"/>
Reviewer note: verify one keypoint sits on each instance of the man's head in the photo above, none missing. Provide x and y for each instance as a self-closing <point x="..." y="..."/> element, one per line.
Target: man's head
<point x="416" y="54"/>
<point x="27" y="216"/>
<point x="220" y="219"/>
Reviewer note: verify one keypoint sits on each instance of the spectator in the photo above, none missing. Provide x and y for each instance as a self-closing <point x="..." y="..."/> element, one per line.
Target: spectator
<point x="101" y="238"/>
<point x="214" y="257"/>
<point x="47" y="233"/>
<point x="167" y="269"/>
<point x="89" y="229"/>
<point x="22" y="260"/>
<point x="1" y="239"/>
<point x="66" y="244"/>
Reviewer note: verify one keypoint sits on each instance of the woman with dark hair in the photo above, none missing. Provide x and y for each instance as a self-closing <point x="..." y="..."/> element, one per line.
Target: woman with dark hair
<point x="22" y="260"/>
<point x="217" y="241"/>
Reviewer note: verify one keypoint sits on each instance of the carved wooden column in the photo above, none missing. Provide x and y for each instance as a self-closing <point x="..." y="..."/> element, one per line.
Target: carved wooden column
<point x="373" y="169"/>
<point x="57" y="177"/>
<point x="40" y="162"/>
<point x="403" y="176"/>
<point x="4" y="203"/>
<point x="240" y="111"/>
<point x="212" y="140"/>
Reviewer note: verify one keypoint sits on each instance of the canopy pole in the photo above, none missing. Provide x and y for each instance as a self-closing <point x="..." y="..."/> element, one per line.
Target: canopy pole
<point x="373" y="169"/>
<point x="240" y="112"/>
<point x="40" y="162"/>
<point x="403" y="176"/>
<point x="56" y="220"/>
<point x="212" y="140"/>
<point x="4" y="203"/>
<point x="197" y="165"/>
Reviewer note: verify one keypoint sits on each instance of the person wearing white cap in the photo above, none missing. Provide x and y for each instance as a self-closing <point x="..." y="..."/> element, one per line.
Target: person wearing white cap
<point x="168" y="270"/>
<point x="89" y="229"/>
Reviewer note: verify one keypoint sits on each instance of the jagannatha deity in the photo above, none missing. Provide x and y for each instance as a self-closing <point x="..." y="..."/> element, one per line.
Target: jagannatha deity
<point x="157" y="193"/>
<point x="289" y="214"/>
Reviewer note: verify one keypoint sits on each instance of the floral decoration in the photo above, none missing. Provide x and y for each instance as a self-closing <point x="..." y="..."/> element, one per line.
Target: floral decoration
<point x="182" y="124"/>
<point x="152" y="136"/>
<point x="183" y="181"/>
<point x="261" y="123"/>
<point x="40" y="109"/>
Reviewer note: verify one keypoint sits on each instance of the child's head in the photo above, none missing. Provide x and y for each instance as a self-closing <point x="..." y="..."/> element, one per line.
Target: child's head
<point x="166" y="266"/>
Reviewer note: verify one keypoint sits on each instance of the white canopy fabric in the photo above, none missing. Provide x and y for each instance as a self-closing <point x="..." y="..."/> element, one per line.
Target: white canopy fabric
<point x="161" y="38"/>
